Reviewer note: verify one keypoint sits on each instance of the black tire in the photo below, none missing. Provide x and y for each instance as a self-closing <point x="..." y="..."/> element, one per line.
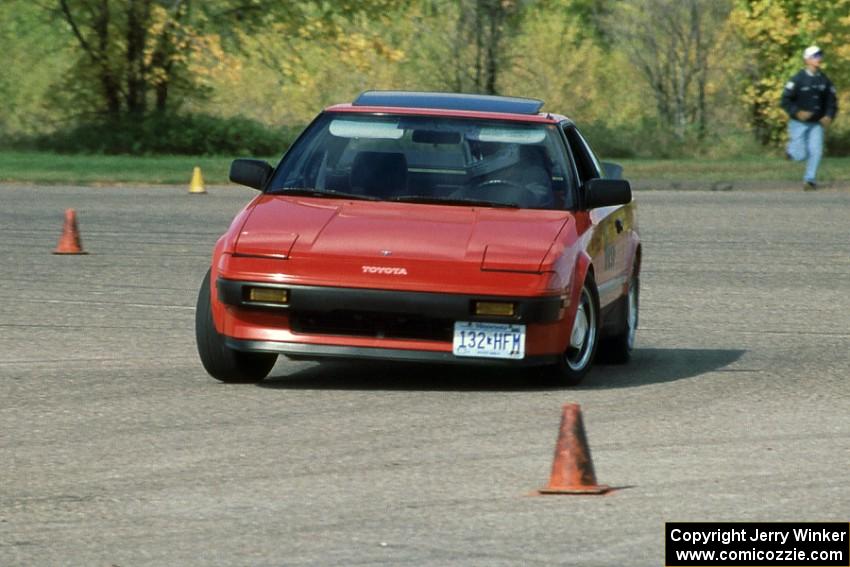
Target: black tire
<point x="576" y="361"/>
<point x="220" y="361"/>
<point x="618" y="349"/>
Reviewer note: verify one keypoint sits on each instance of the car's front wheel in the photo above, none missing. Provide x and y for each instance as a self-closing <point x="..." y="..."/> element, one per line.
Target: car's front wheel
<point x="220" y="361"/>
<point x="618" y="348"/>
<point x="576" y="360"/>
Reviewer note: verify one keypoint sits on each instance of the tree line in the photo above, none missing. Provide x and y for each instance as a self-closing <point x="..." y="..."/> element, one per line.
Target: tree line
<point x="645" y="77"/>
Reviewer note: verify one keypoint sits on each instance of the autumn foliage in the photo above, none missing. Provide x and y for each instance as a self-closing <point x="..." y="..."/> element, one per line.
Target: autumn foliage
<point x="644" y="77"/>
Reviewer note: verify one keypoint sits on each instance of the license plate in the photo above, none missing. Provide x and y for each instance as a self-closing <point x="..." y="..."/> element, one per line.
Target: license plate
<point x="489" y="340"/>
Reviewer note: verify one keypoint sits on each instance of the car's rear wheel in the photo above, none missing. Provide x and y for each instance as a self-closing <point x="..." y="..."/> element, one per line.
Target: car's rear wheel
<point x="576" y="360"/>
<point x="618" y="348"/>
<point x="220" y="361"/>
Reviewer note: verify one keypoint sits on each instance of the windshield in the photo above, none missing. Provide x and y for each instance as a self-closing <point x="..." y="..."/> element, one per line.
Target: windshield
<point x="419" y="159"/>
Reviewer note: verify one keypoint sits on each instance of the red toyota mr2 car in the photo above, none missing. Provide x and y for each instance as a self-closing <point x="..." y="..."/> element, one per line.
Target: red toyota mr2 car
<point x="427" y="227"/>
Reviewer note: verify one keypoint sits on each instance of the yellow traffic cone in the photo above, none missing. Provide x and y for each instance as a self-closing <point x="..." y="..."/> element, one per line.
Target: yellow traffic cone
<point x="197" y="185"/>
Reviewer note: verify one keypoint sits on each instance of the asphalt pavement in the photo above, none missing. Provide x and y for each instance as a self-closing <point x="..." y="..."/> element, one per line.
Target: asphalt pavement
<point x="116" y="448"/>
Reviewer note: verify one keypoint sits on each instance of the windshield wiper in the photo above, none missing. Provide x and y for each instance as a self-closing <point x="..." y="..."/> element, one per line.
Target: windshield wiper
<point x="323" y="193"/>
<point x="453" y="201"/>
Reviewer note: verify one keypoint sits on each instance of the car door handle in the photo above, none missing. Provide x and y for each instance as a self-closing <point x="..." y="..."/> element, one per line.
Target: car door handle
<point x="618" y="224"/>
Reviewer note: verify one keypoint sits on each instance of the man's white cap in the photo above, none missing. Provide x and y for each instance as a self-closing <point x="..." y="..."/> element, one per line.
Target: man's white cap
<point x="812" y="51"/>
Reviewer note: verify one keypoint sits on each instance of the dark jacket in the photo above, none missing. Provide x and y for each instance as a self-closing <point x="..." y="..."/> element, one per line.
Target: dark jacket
<point x="814" y="93"/>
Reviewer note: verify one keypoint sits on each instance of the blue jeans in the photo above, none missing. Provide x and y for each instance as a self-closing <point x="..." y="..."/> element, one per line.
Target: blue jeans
<point x="805" y="142"/>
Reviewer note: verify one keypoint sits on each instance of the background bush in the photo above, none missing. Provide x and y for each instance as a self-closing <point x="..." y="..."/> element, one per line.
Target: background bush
<point x="177" y="134"/>
<point x="838" y="142"/>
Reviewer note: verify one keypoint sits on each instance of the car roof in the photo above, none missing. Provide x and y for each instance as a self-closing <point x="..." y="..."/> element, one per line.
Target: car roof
<point x="449" y="104"/>
<point x="450" y="101"/>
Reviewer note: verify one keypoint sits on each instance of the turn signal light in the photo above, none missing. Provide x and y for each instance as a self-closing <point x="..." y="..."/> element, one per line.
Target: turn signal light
<point x="495" y="308"/>
<point x="268" y="295"/>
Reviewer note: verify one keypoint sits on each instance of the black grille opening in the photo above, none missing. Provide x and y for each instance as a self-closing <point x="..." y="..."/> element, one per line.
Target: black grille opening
<point x="370" y="324"/>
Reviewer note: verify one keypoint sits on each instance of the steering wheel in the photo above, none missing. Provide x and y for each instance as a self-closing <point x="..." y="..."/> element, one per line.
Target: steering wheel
<point x="492" y="184"/>
<point x="508" y="192"/>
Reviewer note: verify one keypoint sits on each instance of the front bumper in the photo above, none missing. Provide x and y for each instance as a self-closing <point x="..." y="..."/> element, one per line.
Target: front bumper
<point x="315" y="351"/>
<point x="337" y="322"/>
<point x="318" y="299"/>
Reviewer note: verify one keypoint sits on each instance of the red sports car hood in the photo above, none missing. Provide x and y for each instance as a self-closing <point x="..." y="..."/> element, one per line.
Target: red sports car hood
<point x="389" y="237"/>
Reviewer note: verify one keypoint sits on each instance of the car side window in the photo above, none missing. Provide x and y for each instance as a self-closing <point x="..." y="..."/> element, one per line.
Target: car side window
<point x="586" y="163"/>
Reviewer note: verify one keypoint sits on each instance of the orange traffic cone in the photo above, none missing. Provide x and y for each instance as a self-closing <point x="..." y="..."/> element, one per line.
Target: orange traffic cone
<point x="69" y="242"/>
<point x="572" y="469"/>
<point x="196" y="186"/>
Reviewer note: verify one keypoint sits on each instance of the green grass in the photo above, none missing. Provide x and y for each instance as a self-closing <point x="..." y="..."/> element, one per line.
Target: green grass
<point x="766" y="168"/>
<point x="35" y="167"/>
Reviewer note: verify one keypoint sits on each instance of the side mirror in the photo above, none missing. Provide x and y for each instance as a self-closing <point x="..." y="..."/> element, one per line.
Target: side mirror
<point x="606" y="193"/>
<point x="612" y="170"/>
<point x="252" y="173"/>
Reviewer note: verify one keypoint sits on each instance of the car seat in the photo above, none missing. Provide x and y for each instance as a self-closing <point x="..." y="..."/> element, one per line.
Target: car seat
<point x="379" y="174"/>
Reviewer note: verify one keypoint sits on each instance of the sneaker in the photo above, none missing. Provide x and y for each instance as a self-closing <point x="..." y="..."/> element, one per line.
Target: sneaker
<point x="810" y="186"/>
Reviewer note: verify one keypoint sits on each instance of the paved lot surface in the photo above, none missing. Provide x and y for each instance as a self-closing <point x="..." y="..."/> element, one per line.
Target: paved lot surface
<point x="117" y="449"/>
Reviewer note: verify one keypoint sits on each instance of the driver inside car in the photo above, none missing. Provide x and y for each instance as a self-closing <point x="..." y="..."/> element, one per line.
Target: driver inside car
<point x="530" y="174"/>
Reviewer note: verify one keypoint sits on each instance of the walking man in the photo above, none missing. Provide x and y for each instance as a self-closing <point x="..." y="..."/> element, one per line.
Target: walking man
<point x="809" y="99"/>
